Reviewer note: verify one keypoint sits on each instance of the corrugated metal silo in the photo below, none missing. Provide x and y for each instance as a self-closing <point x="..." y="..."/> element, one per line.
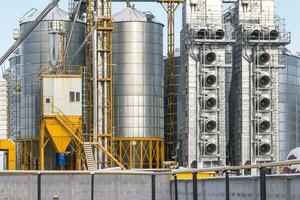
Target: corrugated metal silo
<point x="138" y="89"/>
<point x="289" y="106"/>
<point x="14" y="98"/>
<point x="44" y="47"/>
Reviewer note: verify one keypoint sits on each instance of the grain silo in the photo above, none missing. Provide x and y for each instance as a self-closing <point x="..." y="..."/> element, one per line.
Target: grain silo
<point x="44" y="49"/>
<point x="138" y="89"/>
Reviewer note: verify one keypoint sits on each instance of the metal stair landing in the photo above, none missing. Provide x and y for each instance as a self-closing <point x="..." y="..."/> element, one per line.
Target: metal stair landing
<point x="89" y="156"/>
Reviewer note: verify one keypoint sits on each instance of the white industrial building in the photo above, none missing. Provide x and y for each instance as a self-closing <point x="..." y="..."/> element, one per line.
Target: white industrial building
<point x="253" y="99"/>
<point x="201" y="98"/>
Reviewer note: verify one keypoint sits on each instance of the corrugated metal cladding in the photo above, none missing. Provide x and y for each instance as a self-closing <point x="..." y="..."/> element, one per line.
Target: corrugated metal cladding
<point x="14" y="99"/>
<point x="289" y="106"/>
<point x="138" y="75"/>
<point x="44" y="46"/>
<point x="3" y="118"/>
<point x="14" y="94"/>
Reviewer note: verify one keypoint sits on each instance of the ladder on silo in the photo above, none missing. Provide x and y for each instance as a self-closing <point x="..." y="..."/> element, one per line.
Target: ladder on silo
<point x="89" y="156"/>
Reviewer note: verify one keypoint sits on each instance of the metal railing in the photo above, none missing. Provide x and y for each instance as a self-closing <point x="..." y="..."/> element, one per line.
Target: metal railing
<point x="60" y="69"/>
<point x="227" y="171"/>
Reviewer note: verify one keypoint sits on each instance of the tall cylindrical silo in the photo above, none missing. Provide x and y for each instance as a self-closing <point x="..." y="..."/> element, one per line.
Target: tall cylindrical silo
<point x="13" y="75"/>
<point x="45" y="48"/>
<point x="14" y="95"/>
<point x="289" y="106"/>
<point x="138" y="89"/>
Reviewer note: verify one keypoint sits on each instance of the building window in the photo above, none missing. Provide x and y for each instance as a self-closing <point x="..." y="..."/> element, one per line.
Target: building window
<point x="77" y="96"/>
<point x="47" y="100"/>
<point x="72" y="96"/>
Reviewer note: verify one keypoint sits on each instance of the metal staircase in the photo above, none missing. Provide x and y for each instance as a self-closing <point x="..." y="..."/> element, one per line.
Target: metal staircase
<point x="87" y="146"/>
<point x="89" y="156"/>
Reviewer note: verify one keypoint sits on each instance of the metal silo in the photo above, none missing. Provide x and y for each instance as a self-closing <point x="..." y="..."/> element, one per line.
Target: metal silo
<point x="138" y="89"/>
<point x="14" y="96"/>
<point x="44" y="46"/>
<point x="289" y="102"/>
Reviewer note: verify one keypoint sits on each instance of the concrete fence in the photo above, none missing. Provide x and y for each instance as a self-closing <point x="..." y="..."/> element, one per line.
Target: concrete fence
<point x="84" y="186"/>
<point x="141" y="186"/>
<point x="278" y="187"/>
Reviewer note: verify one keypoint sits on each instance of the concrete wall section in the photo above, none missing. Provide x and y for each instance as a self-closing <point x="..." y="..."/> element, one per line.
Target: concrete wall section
<point x="17" y="187"/>
<point x="78" y="186"/>
<point x="241" y="188"/>
<point x="66" y="187"/>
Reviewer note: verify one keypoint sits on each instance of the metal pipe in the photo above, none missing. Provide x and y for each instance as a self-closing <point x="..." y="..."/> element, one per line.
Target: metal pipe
<point x="82" y="45"/>
<point x="72" y="29"/>
<point x="173" y="172"/>
<point x="36" y="22"/>
<point x="235" y="168"/>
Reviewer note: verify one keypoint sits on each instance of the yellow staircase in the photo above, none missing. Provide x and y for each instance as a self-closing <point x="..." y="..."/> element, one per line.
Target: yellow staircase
<point x="62" y="129"/>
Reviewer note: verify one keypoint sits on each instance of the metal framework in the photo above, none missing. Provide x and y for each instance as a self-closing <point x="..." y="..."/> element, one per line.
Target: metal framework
<point x="140" y="152"/>
<point x="170" y="139"/>
<point x="103" y="76"/>
<point x="89" y="73"/>
<point x="28" y="153"/>
<point x="99" y="78"/>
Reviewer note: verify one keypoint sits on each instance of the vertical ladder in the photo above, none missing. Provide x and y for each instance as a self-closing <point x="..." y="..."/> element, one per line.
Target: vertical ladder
<point x="170" y="139"/>
<point x="89" y="156"/>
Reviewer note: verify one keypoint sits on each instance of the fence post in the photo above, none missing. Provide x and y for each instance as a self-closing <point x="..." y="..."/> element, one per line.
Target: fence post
<point x="195" y="189"/>
<point x="153" y="186"/>
<point x="176" y="187"/>
<point x="227" y="188"/>
<point x="39" y="186"/>
<point x="92" y="185"/>
<point x="263" y="191"/>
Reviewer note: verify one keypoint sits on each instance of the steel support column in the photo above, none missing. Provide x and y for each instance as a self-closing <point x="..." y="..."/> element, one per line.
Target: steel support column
<point x="170" y="139"/>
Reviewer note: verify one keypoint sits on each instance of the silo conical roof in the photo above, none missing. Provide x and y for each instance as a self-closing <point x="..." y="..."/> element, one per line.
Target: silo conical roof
<point x="55" y="14"/>
<point x="131" y="14"/>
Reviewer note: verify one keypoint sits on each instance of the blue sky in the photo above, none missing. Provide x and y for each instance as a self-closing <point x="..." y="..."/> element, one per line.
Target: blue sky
<point x="12" y="11"/>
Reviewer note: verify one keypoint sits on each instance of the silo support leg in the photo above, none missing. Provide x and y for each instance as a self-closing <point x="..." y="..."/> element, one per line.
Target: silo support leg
<point x="42" y="145"/>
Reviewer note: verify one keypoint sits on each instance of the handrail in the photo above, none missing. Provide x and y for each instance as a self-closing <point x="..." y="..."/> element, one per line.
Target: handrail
<point x="234" y="168"/>
<point x="59" y="70"/>
<point x="60" y="114"/>
<point x="155" y="172"/>
<point x="68" y="123"/>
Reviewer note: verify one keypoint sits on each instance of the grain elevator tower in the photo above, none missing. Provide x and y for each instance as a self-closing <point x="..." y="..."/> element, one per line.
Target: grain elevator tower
<point x="254" y="89"/>
<point x="203" y="52"/>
